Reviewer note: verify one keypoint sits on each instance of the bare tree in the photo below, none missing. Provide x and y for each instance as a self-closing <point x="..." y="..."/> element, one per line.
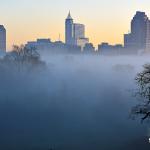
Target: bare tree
<point x="143" y="82"/>
<point x="23" y="58"/>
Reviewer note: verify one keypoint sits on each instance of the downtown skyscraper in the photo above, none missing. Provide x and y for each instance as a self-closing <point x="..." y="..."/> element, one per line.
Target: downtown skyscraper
<point x="75" y="33"/>
<point x="138" y="37"/>
<point x="69" y="30"/>
<point x="2" y="38"/>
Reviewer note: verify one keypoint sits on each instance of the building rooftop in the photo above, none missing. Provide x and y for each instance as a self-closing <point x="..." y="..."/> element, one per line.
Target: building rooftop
<point x="2" y="27"/>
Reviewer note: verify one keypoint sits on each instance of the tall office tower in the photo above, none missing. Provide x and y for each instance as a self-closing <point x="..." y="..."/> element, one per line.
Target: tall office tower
<point x="79" y="31"/>
<point x="137" y="38"/>
<point x="2" y="38"/>
<point x="139" y="29"/>
<point x="79" y="35"/>
<point x="69" y="30"/>
<point x="147" y="50"/>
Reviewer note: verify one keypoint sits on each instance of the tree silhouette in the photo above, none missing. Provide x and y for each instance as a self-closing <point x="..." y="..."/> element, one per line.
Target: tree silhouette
<point x="143" y="91"/>
<point x="22" y="59"/>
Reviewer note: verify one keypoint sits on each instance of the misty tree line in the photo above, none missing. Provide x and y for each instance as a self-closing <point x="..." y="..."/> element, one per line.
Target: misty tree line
<point x="24" y="59"/>
<point x="21" y="59"/>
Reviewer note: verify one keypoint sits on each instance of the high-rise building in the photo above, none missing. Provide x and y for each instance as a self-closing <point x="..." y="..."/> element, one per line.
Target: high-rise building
<point x="2" y="38"/>
<point x="148" y="37"/>
<point x="79" y="35"/>
<point x="69" y="30"/>
<point x="139" y="29"/>
<point x="79" y="31"/>
<point x="137" y="38"/>
<point x="75" y="33"/>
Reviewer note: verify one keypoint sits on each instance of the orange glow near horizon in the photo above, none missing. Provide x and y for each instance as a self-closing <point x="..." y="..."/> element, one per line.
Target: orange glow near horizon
<point x="102" y="32"/>
<point x="105" y="21"/>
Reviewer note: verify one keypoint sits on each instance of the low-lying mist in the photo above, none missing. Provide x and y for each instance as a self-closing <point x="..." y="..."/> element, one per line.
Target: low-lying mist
<point x="74" y="102"/>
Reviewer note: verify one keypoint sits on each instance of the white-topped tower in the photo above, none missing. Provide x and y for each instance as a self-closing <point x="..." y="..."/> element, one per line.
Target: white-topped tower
<point x="69" y="30"/>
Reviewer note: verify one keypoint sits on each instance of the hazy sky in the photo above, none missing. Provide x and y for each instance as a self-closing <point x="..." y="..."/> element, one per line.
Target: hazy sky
<point x="105" y="20"/>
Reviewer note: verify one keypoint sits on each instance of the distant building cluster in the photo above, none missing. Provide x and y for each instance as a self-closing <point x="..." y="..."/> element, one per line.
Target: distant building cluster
<point x="136" y="41"/>
<point x="75" y="40"/>
<point x="107" y="49"/>
<point x="53" y="47"/>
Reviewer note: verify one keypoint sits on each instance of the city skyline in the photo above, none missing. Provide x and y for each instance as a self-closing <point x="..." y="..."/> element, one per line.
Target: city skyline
<point x="46" y="19"/>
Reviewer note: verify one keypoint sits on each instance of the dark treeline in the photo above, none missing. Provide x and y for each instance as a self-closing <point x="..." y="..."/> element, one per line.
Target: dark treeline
<point x="21" y="58"/>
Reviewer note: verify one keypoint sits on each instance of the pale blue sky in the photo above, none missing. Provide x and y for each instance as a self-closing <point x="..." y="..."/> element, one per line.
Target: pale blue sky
<point x="105" y="20"/>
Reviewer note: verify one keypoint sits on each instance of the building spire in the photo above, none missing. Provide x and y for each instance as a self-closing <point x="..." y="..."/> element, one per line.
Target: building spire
<point x="69" y="15"/>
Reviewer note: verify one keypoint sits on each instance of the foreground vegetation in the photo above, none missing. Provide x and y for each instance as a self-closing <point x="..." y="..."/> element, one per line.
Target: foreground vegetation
<point x="21" y="59"/>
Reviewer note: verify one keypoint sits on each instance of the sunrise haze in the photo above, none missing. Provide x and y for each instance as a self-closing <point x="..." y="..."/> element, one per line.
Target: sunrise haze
<point x="104" y="20"/>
